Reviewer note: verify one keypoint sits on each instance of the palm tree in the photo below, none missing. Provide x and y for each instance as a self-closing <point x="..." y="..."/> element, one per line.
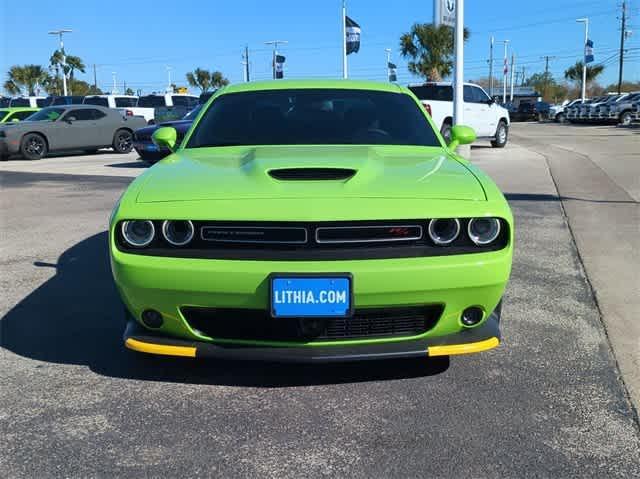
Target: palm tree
<point x="430" y="48"/>
<point x="55" y="64"/>
<point x="574" y="72"/>
<point x="205" y="80"/>
<point x="74" y="63"/>
<point x="26" y="77"/>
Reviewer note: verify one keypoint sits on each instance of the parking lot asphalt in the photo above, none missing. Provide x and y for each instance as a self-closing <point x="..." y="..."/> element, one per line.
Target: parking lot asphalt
<point x="549" y="402"/>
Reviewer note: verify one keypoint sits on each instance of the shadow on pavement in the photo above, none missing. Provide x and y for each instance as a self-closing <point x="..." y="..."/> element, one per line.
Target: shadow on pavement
<point x="130" y="164"/>
<point x="548" y="197"/>
<point x="76" y="318"/>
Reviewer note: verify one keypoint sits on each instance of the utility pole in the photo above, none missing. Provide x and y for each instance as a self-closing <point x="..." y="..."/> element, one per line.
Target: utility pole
<point x="95" y="78"/>
<point x="64" y="56"/>
<point x="584" y="64"/>
<point x="114" y="90"/>
<point x="388" y="50"/>
<point x="275" y="52"/>
<point x="491" y="67"/>
<point x="546" y="73"/>
<point x="622" y="37"/>
<point x="522" y="81"/>
<point x="513" y="61"/>
<point x="504" y="71"/>
<point x="245" y="62"/>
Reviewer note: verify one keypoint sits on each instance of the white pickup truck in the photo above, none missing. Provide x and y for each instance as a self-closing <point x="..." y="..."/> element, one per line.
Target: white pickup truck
<point x="488" y="119"/>
<point x="144" y="106"/>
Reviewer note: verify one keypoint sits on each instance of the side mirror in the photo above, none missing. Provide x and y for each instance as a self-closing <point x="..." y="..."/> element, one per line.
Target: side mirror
<point x="15" y="120"/>
<point x="165" y="137"/>
<point x="461" y="135"/>
<point x="490" y="101"/>
<point x="70" y="119"/>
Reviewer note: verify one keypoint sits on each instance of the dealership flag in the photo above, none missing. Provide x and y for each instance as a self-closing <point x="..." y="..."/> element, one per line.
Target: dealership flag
<point x="505" y="70"/>
<point x="280" y="66"/>
<point x="588" y="52"/>
<point x="392" y="71"/>
<point x="352" y="30"/>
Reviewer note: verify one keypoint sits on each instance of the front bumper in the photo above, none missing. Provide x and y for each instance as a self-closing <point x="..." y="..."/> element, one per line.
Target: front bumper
<point x="482" y="338"/>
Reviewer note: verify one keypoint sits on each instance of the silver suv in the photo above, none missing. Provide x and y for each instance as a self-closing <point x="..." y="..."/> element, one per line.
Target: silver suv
<point x="622" y="111"/>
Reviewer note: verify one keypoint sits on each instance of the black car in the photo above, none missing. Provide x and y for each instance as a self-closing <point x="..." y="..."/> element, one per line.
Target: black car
<point x="526" y="111"/>
<point x="145" y="147"/>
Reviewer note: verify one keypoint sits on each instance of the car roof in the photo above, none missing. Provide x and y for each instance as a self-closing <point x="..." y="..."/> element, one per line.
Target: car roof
<point x="312" y="84"/>
<point x="19" y="108"/>
<point x="82" y="106"/>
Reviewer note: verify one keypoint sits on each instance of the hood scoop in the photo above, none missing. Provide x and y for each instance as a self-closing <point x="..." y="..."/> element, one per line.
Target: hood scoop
<point x="312" y="174"/>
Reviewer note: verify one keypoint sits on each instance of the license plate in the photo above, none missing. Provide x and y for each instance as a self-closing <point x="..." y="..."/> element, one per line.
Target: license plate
<point x="307" y="296"/>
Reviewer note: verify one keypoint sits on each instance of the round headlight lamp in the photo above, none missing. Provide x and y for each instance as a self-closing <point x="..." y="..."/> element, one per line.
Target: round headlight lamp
<point x="177" y="233"/>
<point x="483" y="231"/>
<point x="444" y="231"/>
<point x="138" y="233"/>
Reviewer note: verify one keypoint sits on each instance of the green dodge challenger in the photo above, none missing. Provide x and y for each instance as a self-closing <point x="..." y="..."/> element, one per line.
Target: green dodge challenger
<point x="312" y="221"/>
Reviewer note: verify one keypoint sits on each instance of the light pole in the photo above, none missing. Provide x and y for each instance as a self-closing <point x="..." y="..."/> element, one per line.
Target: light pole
<point x="504" y="71"/>
<point x="114" y="90"/>
<point x="168" y="89"/>
<point x="458" y="96"/>
<point x="584" y="64"/>
<point x="275" y="52"/>
<point x="64" y="57"/>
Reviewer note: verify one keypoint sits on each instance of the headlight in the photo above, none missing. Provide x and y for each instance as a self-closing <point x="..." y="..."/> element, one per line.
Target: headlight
<point x="444" y="231"/>
<point x="178" y="233"/>
<point x="138" y="233"/>
<point x="483" y="231"/>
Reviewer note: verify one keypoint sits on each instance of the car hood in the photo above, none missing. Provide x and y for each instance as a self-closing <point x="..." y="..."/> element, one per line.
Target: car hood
<point x="370" y="171"/>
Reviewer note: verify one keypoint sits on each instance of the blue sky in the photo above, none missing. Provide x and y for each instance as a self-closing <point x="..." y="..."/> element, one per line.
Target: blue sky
<point x="138" y="40"/>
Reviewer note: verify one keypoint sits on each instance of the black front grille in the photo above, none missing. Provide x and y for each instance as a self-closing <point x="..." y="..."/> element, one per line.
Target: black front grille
<point x="312" y="241"/>
<point x="250" y="324"/>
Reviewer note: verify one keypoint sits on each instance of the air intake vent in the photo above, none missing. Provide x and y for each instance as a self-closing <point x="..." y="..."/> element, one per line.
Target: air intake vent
<point x="312" y="174"/>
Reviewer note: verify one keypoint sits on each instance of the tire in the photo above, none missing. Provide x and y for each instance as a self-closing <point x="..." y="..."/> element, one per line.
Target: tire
<point x="33" y="146"/>
<point x="445" y="131"/>
<point x="626" y="118"/>
<point x="122" y="141"/>
<point x="560" y="118"/>
<point x="502" y="135"/>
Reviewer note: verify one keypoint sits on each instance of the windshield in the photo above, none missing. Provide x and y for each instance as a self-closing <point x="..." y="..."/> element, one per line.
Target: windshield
<point x="46" y="114"/>
<point x="193" y="113"/>
<point x="313" y="117"/>
<point x="151" y="101"/>
<point x="96" y="100"/>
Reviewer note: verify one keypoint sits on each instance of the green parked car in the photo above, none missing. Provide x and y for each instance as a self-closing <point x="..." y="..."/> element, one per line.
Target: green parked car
<point x="312" y="221"/>
<point x="14" y="114"/>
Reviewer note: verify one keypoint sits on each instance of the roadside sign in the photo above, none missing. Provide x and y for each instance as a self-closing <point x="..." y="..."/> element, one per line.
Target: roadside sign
<point x="445" y="12"/>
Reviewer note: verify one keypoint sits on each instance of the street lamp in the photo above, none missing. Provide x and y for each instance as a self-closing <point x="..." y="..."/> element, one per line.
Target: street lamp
<point x="584" y="64"/>
<point x="64" y="57"/>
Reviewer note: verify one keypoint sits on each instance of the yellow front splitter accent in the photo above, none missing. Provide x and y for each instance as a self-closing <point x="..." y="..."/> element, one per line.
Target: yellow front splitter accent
<point x="166" y="350"/>
<point x="468" y="348"/>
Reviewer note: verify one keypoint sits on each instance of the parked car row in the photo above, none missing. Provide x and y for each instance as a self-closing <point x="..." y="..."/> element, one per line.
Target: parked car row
<point x="612" y="108"/>
<point x="99" y="121"/>
<point x="132" y="105"/>
<point x="68" y="127"/>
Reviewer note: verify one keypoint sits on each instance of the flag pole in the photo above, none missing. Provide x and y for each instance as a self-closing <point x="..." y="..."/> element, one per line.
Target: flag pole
<point x="344" y="39"/>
